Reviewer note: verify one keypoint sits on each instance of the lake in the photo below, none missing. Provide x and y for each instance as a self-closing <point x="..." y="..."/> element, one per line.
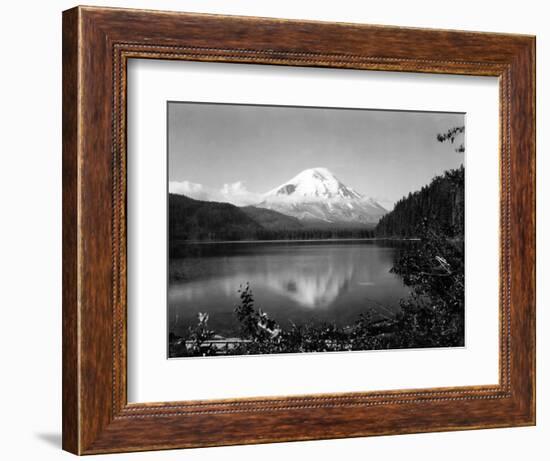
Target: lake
<point x="299" y="282"/>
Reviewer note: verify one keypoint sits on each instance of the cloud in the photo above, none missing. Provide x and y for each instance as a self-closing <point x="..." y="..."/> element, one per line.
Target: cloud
<point x="235" y="193"/>
<point x="238" y="194"/>
<point x="191" y="189"/>
<point x="236" y="188"/>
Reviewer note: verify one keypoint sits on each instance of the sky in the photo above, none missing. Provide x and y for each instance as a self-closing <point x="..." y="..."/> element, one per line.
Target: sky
<point x="235" y="153"/>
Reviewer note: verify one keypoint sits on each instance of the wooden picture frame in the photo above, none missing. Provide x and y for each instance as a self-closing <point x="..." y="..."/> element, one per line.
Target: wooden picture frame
<point x="97" y="43"/>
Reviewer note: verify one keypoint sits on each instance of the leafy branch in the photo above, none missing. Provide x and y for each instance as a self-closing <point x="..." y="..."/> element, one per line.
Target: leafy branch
<point x="451" y="135"/>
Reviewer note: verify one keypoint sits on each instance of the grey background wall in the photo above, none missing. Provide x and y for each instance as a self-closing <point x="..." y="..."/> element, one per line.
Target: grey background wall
<point x="30" y="227"/>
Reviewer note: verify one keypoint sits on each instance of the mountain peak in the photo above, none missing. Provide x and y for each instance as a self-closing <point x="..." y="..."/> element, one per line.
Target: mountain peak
<point x="317" y="172"/>
<point x="316" y="194"/>
<point x="314" y="184"/>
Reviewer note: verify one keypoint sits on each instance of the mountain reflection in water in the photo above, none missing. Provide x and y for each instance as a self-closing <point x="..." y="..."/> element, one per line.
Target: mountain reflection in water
<point x="294" y="282"/>
<point x="310" y="287"/>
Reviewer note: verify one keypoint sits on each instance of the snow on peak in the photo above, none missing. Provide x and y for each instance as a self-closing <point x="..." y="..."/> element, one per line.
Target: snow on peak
<point x="316" y="194"/>
<point x="314" y="184"/>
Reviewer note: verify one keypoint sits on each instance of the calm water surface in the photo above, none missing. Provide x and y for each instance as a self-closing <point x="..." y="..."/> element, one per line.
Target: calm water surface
<point x="291" y="281"/>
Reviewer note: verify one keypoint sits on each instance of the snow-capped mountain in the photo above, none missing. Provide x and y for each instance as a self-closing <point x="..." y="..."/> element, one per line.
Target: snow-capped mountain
<point x="317" y="195"/>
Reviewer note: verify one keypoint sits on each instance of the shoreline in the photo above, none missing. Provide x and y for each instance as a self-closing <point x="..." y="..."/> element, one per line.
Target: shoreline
<point x="205" y="242"/>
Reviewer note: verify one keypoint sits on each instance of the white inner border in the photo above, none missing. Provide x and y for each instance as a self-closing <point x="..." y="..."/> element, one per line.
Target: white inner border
<point x="154" y="378"/>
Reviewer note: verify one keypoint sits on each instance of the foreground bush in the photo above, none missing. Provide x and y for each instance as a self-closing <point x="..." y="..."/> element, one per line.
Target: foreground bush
<point x="433" y="315"/>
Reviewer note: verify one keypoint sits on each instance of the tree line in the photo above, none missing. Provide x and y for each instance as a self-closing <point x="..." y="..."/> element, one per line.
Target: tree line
<point x="441" y="202"/>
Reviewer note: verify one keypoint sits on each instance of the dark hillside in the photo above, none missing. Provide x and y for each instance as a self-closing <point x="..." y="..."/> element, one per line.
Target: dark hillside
<point x="440" y="203"/>
<point x="191" y="219"/>
<point x="197" y="220"/>
<point x="272" y="220"/>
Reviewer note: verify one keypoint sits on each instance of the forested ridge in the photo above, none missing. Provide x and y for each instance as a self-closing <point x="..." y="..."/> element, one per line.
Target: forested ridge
<point x="439" y="203"/>
<point x="191" y="219"/>
<point x="197" y="220"/>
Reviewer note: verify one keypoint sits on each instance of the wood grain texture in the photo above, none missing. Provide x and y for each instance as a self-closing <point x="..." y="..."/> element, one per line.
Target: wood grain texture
<point x="70" y="385"/>
<point x="97" y="43"/>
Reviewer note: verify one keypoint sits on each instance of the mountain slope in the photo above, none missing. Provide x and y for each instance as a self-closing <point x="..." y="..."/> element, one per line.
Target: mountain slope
<point x="272" y="220"/>
<point x="191" y="219"/>
<point x="316" y="195"/>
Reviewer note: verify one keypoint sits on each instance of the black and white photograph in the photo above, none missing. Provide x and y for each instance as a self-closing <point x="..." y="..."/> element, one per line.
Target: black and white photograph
<point x="313" y="229"/>
<point x="275" y="230"/>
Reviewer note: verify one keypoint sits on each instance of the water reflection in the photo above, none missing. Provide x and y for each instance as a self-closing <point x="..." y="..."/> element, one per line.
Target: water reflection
<point x="311" y="290"/>
<point x="296" y="282"/>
